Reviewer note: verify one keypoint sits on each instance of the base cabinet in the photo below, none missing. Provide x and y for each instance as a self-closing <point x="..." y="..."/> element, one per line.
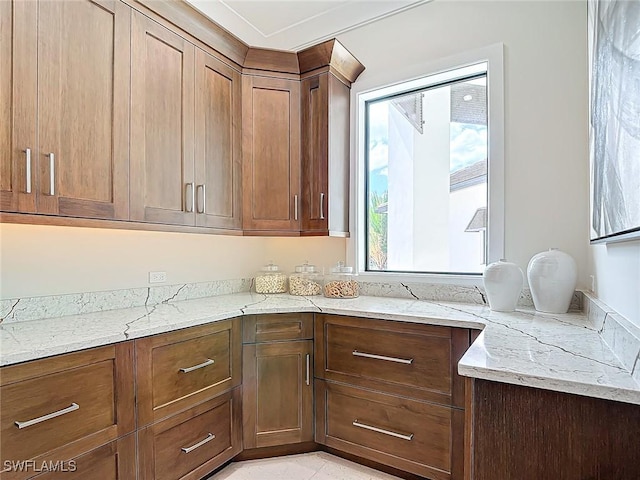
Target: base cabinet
<point x="530" y="434"/>
<point x="113" y="461"/>
<point x="406" y="434"/>
<point x="58" y="408"/>
<point x="278" y="381"/>
<point x="191" y="444"/>
<point x="389" y="392"/>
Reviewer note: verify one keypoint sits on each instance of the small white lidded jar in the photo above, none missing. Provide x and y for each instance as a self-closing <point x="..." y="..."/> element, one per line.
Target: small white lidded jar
<point x="271" y="279"/>
<point x="307" y="280"/>
<point x="341" y="282"/>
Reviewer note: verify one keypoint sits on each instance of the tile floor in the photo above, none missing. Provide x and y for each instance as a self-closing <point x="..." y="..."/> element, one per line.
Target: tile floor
<point x="316" y="466"/>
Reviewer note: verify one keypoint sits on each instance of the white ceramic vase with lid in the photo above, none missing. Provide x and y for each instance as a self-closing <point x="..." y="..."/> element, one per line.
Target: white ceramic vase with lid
<point x="503" y="283"/>
<point x="552" y="279"/>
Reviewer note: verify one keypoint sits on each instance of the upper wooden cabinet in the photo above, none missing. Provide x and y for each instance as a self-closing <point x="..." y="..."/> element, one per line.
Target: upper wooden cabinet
<point x="271" y="149"/>
<point x="65" y="107"/>
<point x="185" y="135"/>
<point x="325" y="155"/>
<point x="149" y="114"/>
<point x="218" y="143"/>
<point x="162" y="114"/>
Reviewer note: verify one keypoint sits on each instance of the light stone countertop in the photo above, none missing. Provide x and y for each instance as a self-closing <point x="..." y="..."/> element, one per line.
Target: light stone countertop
<point x="555" y="352"/>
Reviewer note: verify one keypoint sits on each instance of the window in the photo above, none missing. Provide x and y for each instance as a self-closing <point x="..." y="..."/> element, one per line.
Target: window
<point x="430" y="163"/>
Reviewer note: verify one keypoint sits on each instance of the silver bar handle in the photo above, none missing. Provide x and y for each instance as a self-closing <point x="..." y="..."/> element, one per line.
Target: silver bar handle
<point x="202" y="188"/>
<point x="189" y="187"/>
<point x="52" y="174"/>
<point x="308" y="379"/>
<point x="28" y="175"/>
<point x="196" y="367"/>
<point x="295" y="207"/>
<point x="208" y="438"/>
<point x="409" y="437"/>
<point x="322" y="206"/>
<point x="71" y="408"/>
<point x="406" y="361"/>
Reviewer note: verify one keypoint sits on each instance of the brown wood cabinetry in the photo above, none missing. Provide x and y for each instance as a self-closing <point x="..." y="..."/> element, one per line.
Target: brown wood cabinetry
<point x="66" y="108"/>
<point x="325" y="155"/>
<point x="529" y="433"/>
<point x="378" y="380"/>
<point x="192" y="443"/>
<point x="218" y="144"/>
<point x="56" y="409"/>
<point x="271" y="154"/>
<point x="162" y="130"/>
<point x="146" y="115"/>
<point x="185" y="135"/>
<point x="278" y="380"/>
<point x="177" y="370"/>
<point x="113" y="461"/>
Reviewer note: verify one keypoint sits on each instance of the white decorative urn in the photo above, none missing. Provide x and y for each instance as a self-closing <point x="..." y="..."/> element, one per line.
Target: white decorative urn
<point x="552" y="279"/>
<point x="503" y="283"/>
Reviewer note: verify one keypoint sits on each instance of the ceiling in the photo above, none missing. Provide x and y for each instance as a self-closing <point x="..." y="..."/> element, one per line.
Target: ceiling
<point x="295" y="24"/>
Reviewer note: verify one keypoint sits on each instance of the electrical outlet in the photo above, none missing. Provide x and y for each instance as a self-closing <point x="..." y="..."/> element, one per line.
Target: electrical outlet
<point x="157" y="277"/>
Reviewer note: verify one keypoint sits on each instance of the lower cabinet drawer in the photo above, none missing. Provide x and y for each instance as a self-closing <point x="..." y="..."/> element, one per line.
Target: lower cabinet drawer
<point x="57" y="408"/>
<point x="192" y="443"/>
<point x="409" y="435"/>
<point x="113" y="461"/>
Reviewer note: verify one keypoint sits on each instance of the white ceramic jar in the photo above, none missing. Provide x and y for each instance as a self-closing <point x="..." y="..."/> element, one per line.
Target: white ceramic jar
<point x="503" y="283"/>
<point x="552" y="279"/>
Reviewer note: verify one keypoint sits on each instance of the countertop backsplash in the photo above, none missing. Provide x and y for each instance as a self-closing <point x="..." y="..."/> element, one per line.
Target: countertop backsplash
<point x="38" y="308"/>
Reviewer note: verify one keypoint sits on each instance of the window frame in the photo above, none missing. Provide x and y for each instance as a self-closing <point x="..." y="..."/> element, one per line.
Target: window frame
<point x="400" y="80"/>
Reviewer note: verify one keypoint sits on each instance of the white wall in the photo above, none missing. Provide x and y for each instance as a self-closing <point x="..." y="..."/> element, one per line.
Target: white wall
<point x="546" y="104"/>
<point x="43" y="260"/>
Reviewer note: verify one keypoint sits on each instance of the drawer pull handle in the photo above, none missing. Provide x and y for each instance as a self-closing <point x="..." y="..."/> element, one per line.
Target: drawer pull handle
<point x="49" y="416"/>
<point x="406" y="361"/>
<point x="208" y="438"/>
<point x="409" y="437"/>
<point x="196" y="367"/>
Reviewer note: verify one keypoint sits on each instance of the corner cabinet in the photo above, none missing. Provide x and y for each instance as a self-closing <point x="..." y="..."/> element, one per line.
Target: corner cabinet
<point x="65" y="108"/>
<point x="277" y="379"/>
<point x="271" y="151"/>
<point x="325" y="156"/>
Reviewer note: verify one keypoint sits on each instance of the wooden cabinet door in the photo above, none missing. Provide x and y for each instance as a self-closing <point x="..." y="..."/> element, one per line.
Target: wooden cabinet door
<point x="271" y="154"/>
<point x="218" y="155"/>
<point x="18" y="105"/>
<point x="314" y="106"/>
<point x="325" y="156"/>
<point x="83" y="108"/>
<point x="277" y="393"/>
<point x="162" y="105"/>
